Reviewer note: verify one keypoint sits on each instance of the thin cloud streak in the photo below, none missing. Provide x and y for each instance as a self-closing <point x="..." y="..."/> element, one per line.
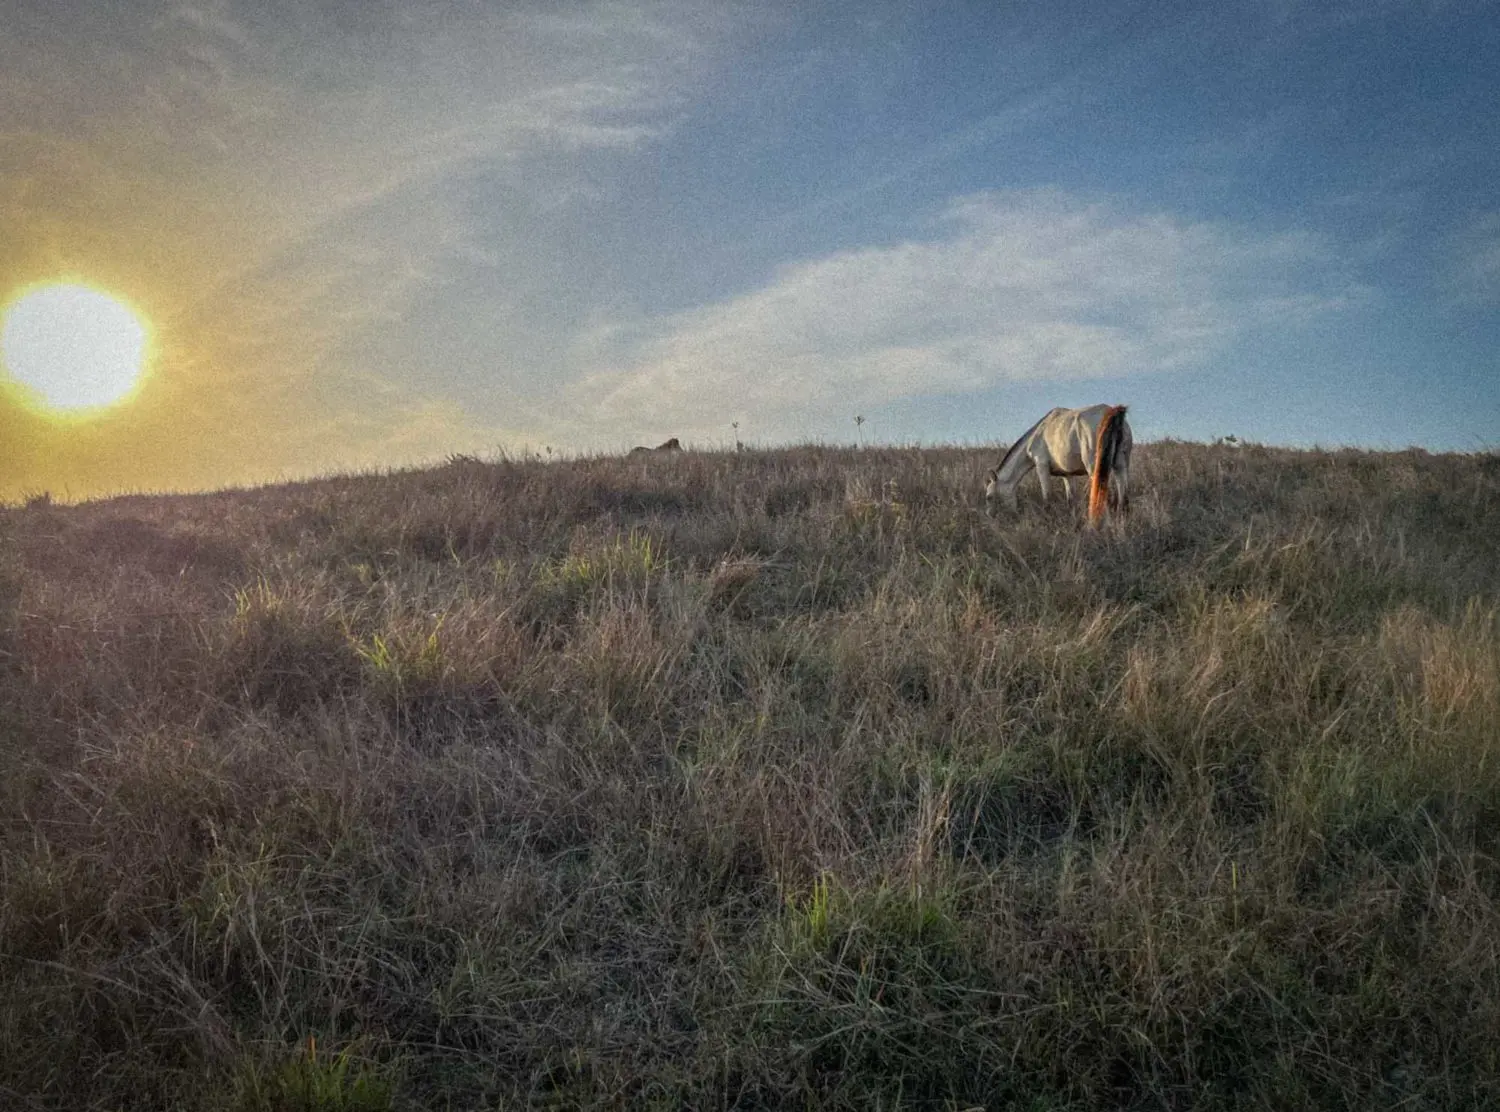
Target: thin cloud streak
<point x="1015" y="287"/>
<point x="1473" y="275"/>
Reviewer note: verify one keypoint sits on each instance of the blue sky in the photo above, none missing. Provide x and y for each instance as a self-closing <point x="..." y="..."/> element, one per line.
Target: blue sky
<point x="368" y="234"/>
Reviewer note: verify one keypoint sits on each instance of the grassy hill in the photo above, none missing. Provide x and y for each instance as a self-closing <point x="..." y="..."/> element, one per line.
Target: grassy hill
<point x="781" y="779"/>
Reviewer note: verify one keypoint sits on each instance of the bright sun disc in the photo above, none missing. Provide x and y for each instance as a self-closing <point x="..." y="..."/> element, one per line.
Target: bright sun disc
<point x="74" y="347"/>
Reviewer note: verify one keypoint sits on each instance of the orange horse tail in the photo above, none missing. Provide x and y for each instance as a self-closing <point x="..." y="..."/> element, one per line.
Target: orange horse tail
<point x="1111" y="435"/>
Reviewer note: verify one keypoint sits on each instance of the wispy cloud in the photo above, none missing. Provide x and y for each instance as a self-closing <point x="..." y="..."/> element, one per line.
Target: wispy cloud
<point x="1012" y="287"/>
<point x="271" y="182"/>
<point x="1473" y="273"/>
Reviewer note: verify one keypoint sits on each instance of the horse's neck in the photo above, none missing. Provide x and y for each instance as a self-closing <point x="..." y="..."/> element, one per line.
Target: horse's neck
<point x="1014" y="469"/>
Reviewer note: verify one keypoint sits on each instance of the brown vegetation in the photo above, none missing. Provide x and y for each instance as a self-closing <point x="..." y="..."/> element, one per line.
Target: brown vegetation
<point x="764" y="779"/>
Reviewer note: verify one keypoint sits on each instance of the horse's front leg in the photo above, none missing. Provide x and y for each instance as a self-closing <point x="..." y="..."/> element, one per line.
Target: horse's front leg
<point x="1041" y="469"/>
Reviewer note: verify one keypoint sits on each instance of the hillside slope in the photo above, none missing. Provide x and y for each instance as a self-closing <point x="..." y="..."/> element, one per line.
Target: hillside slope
<point x="777" y="779"/>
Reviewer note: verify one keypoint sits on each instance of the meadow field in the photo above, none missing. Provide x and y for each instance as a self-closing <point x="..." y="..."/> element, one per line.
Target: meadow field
<point x="778" y="779"/>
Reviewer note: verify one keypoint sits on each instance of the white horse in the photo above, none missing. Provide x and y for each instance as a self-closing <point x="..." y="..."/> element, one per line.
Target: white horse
<point x="1070" y="443"/>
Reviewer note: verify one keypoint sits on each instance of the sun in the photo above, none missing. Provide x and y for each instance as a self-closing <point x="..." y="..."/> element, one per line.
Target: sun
<point x="73" y="348"/>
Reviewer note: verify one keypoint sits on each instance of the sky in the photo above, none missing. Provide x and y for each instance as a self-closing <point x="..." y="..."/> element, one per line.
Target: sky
<point x="371" y="233"/>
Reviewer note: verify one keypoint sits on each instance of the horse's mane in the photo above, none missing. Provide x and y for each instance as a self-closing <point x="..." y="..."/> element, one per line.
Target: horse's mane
<point x="1019" y="441"/>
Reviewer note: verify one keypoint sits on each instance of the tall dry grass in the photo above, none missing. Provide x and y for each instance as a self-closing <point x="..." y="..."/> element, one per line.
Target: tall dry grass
<point x="776" y="779"/>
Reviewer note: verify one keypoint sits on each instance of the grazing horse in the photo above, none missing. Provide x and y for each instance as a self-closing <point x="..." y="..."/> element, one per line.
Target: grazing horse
<point x="670" y="446"/>
<point x="1070" y="443"/>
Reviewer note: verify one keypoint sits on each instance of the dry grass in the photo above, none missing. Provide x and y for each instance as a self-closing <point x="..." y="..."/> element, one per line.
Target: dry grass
<point x="777" y="779"/>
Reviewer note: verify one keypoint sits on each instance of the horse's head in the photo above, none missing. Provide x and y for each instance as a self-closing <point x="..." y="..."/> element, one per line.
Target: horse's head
<point x="993" y="492"/>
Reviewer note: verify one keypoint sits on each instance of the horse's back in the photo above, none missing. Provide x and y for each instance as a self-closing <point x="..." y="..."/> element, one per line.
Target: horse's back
<point x="1069" y="440"/>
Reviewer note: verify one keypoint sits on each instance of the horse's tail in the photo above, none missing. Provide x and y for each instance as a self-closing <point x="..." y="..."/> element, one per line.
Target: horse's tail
<point x="1111" y="436"/>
